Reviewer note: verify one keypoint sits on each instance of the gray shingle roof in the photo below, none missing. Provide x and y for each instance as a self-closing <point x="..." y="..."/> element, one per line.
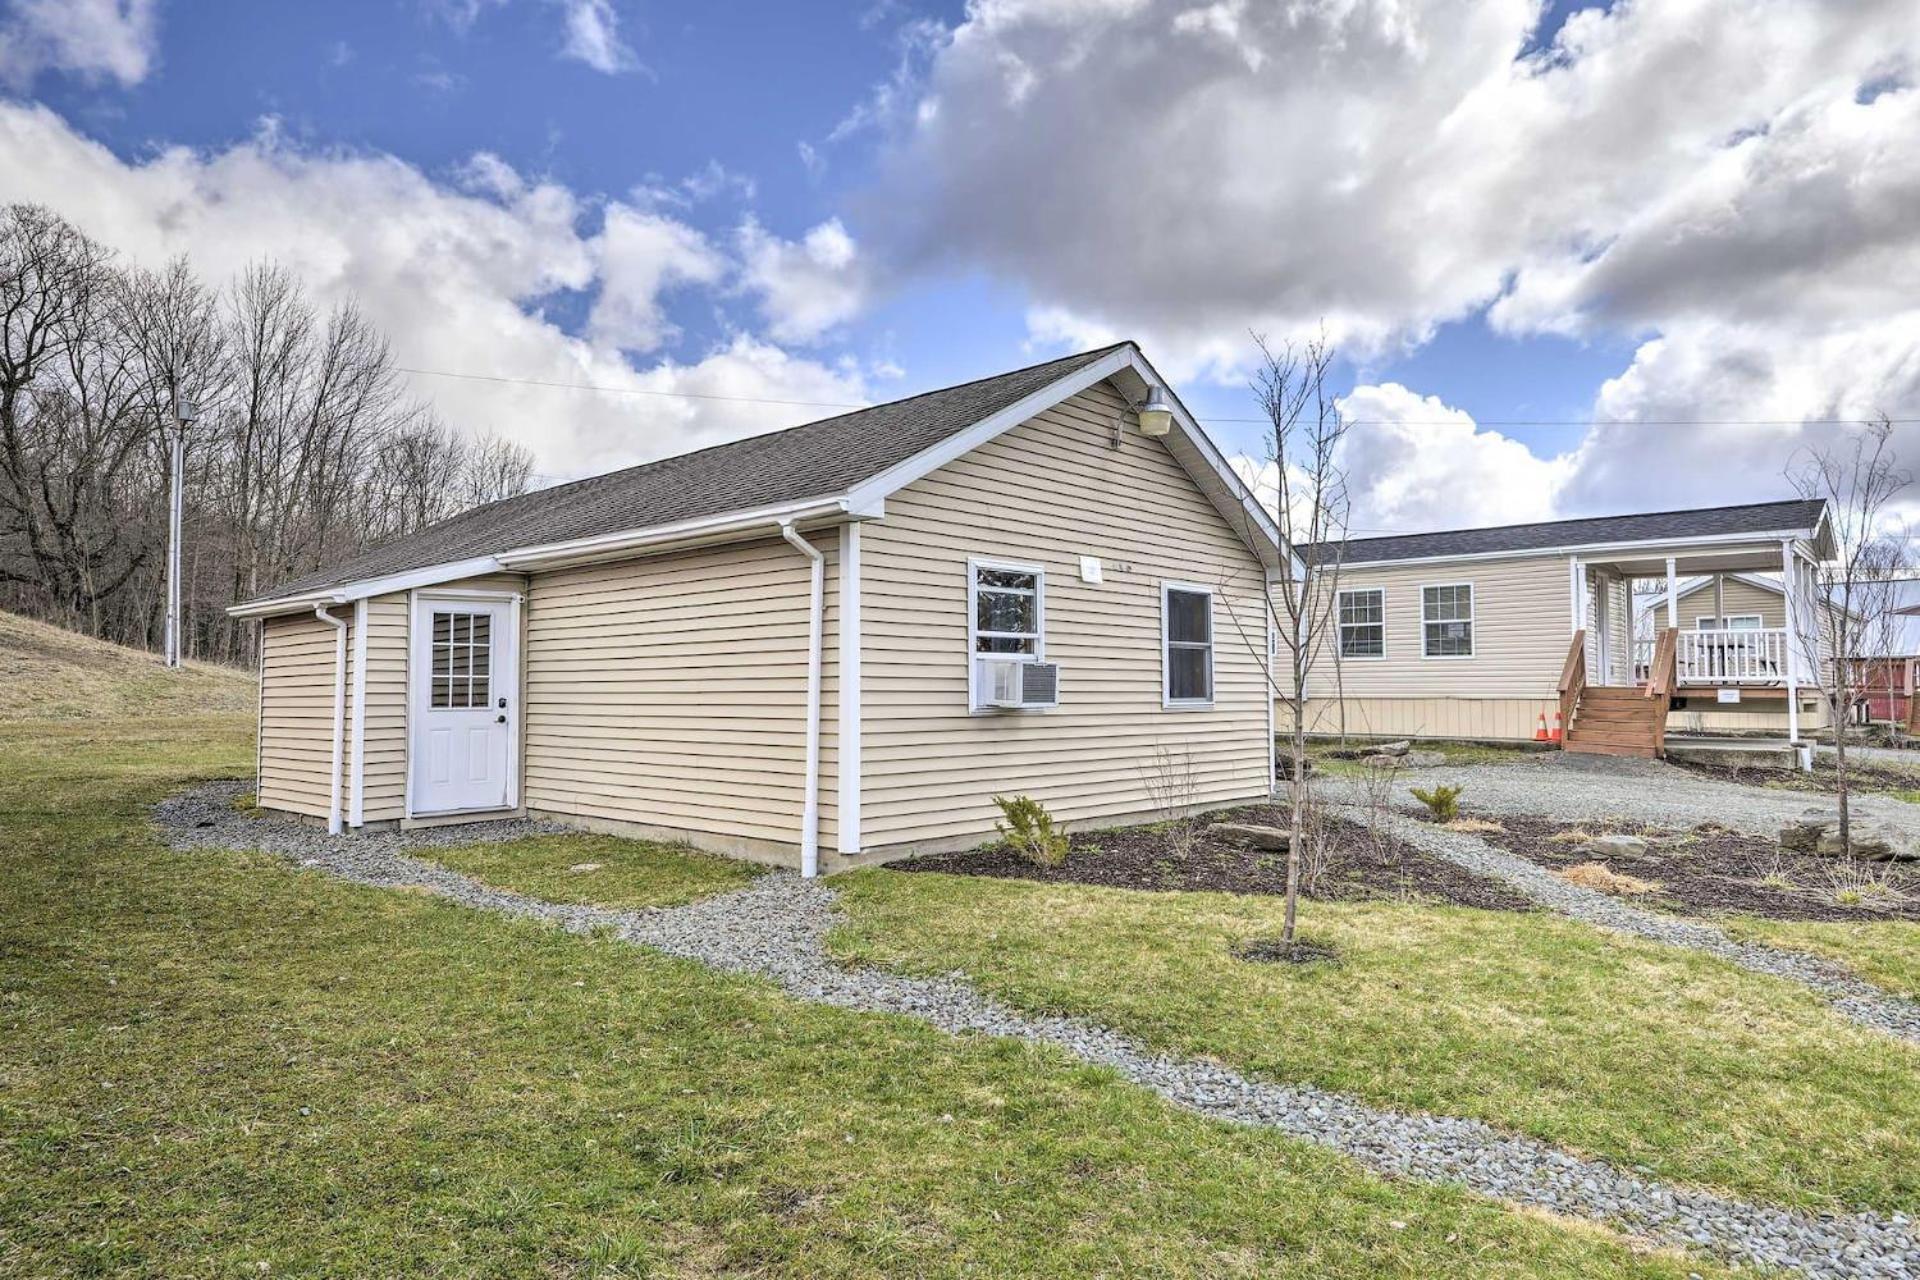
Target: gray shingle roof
<point x="1701" y="522"/>
<point x="815" y="460"/>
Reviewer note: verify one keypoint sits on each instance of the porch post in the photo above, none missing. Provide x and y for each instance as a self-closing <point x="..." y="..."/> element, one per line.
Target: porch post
<point x="1673" y="603"/>
<point x="1788" y="568"/>
<point x="1719" y="602"/>
<point x="1573" y="596"/>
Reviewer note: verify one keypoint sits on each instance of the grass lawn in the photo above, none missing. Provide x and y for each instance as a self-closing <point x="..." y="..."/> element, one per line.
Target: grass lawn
<point x="1322" y="752"/>
<point x="1885" y="952"/>
<point x="1645" y="1054"/>
<point x="215" y="1064"/>
<point x="602" y="869"/>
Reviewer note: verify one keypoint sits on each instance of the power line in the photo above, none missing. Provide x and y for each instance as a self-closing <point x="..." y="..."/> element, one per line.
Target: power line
<point x="1358" y="422"/>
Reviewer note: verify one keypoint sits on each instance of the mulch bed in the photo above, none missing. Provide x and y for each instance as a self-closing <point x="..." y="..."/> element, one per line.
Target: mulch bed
<point x="1143" y="858"/>
<point x="1860" y="776"/>
<point x="1711" y="869"/>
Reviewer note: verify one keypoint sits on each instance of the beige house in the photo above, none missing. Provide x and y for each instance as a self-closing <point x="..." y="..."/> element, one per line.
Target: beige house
<point x="831" y="644"/>
<point x="1498" y="633"/>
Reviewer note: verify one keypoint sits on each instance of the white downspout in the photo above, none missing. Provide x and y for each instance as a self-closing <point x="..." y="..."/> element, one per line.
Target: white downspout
<point x="816" y="627"/>
<point x="1795" y="638"/>
<point x="357" y="758"/>
<point x="339" y="626"/>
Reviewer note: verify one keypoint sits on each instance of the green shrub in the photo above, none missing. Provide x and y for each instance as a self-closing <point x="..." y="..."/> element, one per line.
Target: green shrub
<point x="1443" y="802"/>
<point x="1031" y="830"/>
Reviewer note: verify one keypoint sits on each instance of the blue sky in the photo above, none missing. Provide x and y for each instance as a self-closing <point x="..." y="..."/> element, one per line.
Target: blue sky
<point x="1504" y="220"/>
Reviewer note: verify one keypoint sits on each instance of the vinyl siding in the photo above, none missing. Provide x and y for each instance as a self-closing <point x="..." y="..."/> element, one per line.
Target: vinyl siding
<point x="1046" y="493"/>
<point x="296" y="713"/>
<point x="1477" y="719"/>
<point x="384" y="775"/>
<point x="1739" y="597"/>
<point x="670" y="692"/>
<point x="1520" y="633"/>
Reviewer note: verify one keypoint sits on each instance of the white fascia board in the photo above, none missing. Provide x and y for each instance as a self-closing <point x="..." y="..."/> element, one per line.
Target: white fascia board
<point x="430" y="576"/>
<point x="1760" y="541"/>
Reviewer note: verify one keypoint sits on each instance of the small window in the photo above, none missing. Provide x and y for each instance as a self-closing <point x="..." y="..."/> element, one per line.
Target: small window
<point x="462" y="660"/>
<point x="1187" y="629"/>
<point x="1734" y="622"/>
<point x="1363" y="623"/>
<point x="1006" y="611"/>
<point x="1446" y="621"/>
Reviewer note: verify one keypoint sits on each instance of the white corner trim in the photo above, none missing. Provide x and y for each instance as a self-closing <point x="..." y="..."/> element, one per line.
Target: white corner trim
<point x="337" y="755"/>
<point x="816" y="642"/>
<point x="848" y="783"/>
<point x="357" y="775"/>
<point x="413" y="715"/>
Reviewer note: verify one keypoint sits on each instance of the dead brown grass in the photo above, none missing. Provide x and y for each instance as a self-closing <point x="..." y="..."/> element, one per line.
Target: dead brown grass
<point x="1603" y="879"/>
<point x="1577" y="835"/>
<point x="47" y="673"/>
<point x="1471" y="825"/>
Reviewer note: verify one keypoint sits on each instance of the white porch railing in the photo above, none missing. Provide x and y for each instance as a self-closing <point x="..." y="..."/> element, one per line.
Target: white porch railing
<point x="1752" y="657"/>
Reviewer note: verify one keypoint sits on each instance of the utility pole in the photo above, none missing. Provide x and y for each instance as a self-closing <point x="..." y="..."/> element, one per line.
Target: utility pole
<point x="183" y="414"/>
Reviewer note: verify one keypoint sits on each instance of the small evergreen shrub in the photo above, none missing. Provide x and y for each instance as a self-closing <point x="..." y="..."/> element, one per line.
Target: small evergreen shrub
<point x="1031" y="831"/>
<point x="1443" y="802"/>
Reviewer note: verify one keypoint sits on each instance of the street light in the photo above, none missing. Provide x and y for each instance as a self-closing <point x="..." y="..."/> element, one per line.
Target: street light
<point x="183" y="414"/>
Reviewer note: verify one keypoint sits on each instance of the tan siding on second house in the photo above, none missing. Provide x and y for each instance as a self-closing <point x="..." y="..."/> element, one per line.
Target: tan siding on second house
<point x="384" y="776"/>
<point x="1046" y="493"/>
<point x="670" y="692"/>
<point x="1520" y="633"/>
<point x="1738" y="597"/>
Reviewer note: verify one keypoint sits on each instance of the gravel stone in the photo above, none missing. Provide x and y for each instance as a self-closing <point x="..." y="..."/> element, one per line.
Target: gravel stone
<point x="776" y="928"/>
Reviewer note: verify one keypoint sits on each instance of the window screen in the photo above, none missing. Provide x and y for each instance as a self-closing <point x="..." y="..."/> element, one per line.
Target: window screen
<point x="1363" y="624"/>
<point x="462" y="660"/>
<point x="1189" y="662"/>
<point x="1006" y="611"/>
<point x="1446" y="617"/>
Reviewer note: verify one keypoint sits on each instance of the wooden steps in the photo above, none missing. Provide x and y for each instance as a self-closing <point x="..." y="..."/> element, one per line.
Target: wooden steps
<point x="1616" y="720"/>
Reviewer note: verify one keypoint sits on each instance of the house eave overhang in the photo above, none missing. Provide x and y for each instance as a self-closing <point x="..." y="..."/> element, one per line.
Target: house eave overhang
<point x="730" y="527"/>
<point x="1593" y="550"/>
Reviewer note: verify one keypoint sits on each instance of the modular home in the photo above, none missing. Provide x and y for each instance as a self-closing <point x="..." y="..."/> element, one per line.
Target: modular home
<point x="826" y="645"/>
<point x="1524" y="630"/>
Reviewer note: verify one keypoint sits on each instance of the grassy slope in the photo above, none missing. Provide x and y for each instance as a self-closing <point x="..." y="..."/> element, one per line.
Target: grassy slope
<point x="1886" y="952"/>
<point x="1646" y="1054"/>
<point x="49" y="673"/>
<point x="612" y="872"/>
<point x="213" y="1064"/>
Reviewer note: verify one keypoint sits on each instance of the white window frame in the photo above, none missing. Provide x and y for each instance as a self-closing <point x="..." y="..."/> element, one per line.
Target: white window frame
<point x="1167" y="701"/>
<point x="1339" y="627"/>
<point x="1726" y="622"/>
<point x="1472" y="621"/>
<point x="1039" y="654"/>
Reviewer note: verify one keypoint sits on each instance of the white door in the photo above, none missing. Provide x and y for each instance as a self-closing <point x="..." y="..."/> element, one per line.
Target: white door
<point x="464" y="696"/>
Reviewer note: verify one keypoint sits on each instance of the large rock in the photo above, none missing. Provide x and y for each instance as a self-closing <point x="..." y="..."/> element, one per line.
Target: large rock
<point x="1614" y="846"/>
<point x="1259" y="837"/>
<point x="1817" y="831"/>
<point x="1399" y="748"/>
<point x="1424" y="759"/>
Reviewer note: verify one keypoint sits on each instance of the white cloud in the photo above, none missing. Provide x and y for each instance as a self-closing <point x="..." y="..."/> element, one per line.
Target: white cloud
<point x="94" y="39"/>
<point x="807" y="286"/>
<point x="1732" y="180"/>
<point x="454" y="275"/>
<point x="642" y="255"/>
<point x="593" y="37"/>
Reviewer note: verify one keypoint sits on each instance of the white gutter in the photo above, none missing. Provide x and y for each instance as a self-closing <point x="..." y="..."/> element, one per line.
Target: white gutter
<point x="339" y="712"/>
<point x="1651" y="548"/>
<point x="816" y="626"/>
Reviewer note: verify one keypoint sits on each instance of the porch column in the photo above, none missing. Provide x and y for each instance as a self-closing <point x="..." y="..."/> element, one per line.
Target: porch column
<point x="1788" y="569"/>
<point x="1574" y="619"/>
<point x="1673" y="602"/>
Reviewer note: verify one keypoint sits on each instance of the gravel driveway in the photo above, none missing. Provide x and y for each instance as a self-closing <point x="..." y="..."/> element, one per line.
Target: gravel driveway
<point x="777" y="928"/>
<point x="1582" y="788"/>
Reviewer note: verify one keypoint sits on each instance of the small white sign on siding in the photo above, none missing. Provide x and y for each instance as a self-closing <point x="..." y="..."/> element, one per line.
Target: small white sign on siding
<point x="1729" y="695"/>
<point x="1090" y="569"/>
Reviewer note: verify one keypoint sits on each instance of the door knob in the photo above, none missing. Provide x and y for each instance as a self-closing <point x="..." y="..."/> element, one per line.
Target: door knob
<point x="501" y="719"/>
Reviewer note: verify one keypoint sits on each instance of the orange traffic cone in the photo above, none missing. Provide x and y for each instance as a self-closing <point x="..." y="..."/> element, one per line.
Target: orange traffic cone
<point x="1559" y="730"/>
<point x="1540" y="734"/>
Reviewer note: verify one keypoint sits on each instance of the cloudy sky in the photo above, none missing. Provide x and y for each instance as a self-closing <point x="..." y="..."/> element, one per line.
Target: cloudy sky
<point x="1577" y="259"/>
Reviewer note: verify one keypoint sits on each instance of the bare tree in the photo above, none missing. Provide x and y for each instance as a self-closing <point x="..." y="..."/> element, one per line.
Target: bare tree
<point x="1860" y="480"/>
<point x="1306" y="429"/>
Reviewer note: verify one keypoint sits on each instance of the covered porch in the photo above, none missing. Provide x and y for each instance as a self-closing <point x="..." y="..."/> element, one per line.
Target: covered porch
<point x="1728" y="668"/>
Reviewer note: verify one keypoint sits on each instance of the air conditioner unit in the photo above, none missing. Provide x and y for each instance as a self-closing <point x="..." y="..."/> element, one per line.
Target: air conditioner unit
<point x="1006" y="682"/>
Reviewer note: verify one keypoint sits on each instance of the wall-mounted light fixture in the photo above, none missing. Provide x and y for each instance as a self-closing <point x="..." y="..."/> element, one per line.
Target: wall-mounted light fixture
<point x="1155" y="414"/>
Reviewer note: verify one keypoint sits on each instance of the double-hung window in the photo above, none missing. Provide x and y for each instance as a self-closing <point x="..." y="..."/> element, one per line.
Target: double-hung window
<point x="1446" y="621"/>
<point x="1186" y="627"/>
<point x="1006" y="615"/>
<point x="1363" y="623"/>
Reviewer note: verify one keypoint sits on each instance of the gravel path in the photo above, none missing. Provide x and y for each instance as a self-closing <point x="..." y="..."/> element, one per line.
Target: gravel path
<point x="1582" y="788"/>
<point x="777" y="929"/>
